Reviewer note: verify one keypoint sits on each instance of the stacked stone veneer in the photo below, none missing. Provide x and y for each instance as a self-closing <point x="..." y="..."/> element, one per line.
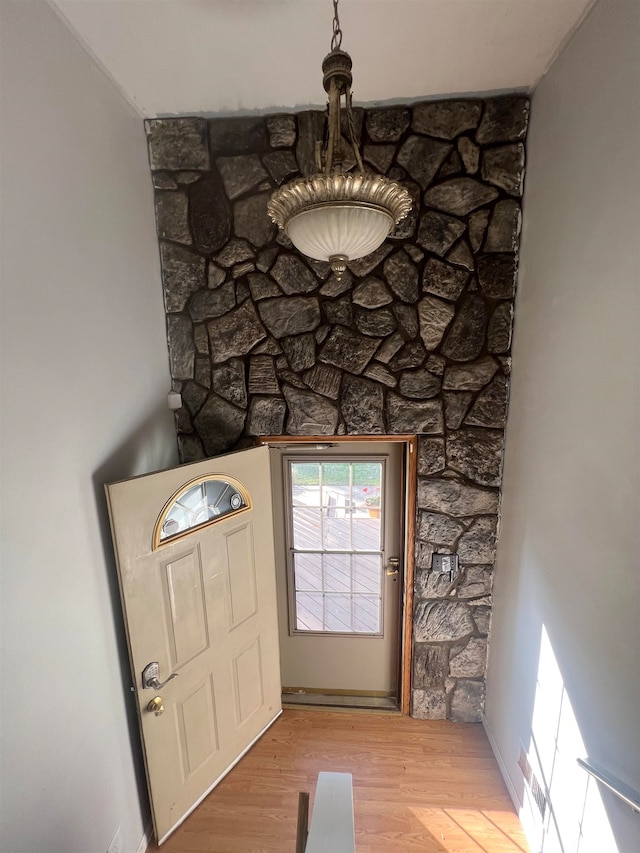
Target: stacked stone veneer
<point x="415" y="339"/>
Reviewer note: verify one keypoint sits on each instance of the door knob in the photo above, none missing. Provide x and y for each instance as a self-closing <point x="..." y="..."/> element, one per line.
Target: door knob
<point x="156" y="706"/>
<point x="150" y="676"/>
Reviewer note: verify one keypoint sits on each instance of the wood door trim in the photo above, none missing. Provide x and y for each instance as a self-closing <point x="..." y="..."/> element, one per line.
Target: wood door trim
<point x="411" y="469"/>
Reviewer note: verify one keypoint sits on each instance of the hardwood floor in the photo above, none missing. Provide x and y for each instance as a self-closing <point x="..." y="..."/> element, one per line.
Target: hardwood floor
<point x="422" y="786"/>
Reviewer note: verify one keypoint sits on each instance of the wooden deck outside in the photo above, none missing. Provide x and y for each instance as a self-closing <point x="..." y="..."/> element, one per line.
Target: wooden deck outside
<point x="427" y="787"/>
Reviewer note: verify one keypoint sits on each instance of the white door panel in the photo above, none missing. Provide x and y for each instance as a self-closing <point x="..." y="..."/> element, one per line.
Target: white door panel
<point x="203" y="606"/>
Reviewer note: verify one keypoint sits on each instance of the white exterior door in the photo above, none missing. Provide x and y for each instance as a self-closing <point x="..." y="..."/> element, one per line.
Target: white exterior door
<point x="201" y="603"/>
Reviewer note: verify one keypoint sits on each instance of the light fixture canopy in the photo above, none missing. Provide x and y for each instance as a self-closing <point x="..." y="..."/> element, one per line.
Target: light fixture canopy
<point x="338" y="215"/>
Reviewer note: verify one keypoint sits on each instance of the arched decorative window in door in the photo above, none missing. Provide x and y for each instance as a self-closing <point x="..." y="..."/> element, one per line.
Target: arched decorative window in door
<point x="197" y="504"/>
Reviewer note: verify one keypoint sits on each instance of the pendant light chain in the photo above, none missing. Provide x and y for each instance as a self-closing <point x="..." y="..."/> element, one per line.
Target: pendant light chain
<point x="336" y="39"/>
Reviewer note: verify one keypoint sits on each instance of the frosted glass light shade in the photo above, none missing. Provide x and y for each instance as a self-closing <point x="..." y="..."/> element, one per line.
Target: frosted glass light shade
<point x="331" y="230"/>
<point x="339" y="217"/>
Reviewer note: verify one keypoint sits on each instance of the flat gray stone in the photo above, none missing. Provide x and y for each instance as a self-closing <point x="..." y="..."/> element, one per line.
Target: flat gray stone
<point x="422" y="158"/>
<point x="451" y="166"/>
<point x="469" y="377"/>
<point x="410" y="417"/>
<point x="429" y="704"/>
<point x="300" y="351"/>
<point x="438" y="232"/>
<point x="182" y="274"/>
<point x="164" y="181"/>
<point x="430" y="584"/>
<point x="172" y="217"/>
<point x="455" y="498"/>
<point x="281" y="130"/>
<point x="411" y="355"/>
<point x="478" y="221"/>
<point x="309" y="413"/>
<point x="387" y="124"/>
<point x="505" y="119"/>
<point x="504" y="167"/>
<point x="324" y="380"/>
<point x="336" y="287"/>
<point x="177" y="143"/>
<point x="363" y="266"/>
<point x="500" y="326"/>
<point x="190" y="449"/>
<point x="281" y="165"/>
<point x="466" y="336"/>
<point x="431" y="456"/>
<point x="467" y="702"/>
<point x="208" y="304"/>
<point x="182" y="350"/>
<point x="439" y="529"/>
<point x="380" y="156"/>
<point x="490" y="407"/>
<point x="460" y="196"/>
<point x="235" y="252"/>
<point x="266" y="258"/>
<point x="476" y="453"/>
<point x="188" y="177"/>
<point x="227" y="380"/>
<point x="215" y="276"/>
<point x="371" y="293"/>
<point x="378" y="323"/>
<point x="402" y="276"/>
<point x="379" y="373"/>
<point x="262" y="286"/>
<point x="436" y="364"/>
<point x="348" y="350"/>
<point x="389" y="348"/>
<point x="250" y="220"/>
<point x="419" y="384"/>
<point x="262" y="375"/>
<point x="443" y="279"/>
<point x="362" y="406"/>
<point x="471" y="661"/>
<point x="446" y="119"/>
<point x="266" y="416"/>
<point x="235" y="333"/>
<point x="441" y="621"/>
<point x="407" y="318"/>
<point x="237" y="134"/>
<point x="430" y="665"/>
<point x="219" y="425"/>
<point x="470" y="155"/>
<point x="193" y="396"/>
<point x="456" y="406"/>
<point x="291" y="315"/>
<point x="478" y="544"/>
<point x="482" y="618"/>
<point x="504" y="227"/>
<point x="241" y="174"/>
<point x="476" y="583"/>
<point x="435" y="315"/>
<point x="293" y="275"/>
<point x="268" y="347"/>
<point x="209" y="214"/>
<point x="201" y="340"/>
<point x="338" y="311"/>
<point x="461" y="255"/>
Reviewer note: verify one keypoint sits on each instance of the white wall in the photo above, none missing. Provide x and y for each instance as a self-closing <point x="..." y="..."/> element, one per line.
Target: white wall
<point x="84" y="384"/>
<point x="563" y="672"/>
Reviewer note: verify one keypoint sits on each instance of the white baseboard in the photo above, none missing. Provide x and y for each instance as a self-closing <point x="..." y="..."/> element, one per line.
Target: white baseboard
<point x="146" y="839"/>
<point x="515" y="799"/>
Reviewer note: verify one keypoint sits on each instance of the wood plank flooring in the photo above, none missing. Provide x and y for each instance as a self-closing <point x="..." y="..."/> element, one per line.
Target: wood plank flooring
<point x="422" y="786"/>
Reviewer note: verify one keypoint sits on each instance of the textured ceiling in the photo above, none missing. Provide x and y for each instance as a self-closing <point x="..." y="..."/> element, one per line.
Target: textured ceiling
<point x="172" y="57"/>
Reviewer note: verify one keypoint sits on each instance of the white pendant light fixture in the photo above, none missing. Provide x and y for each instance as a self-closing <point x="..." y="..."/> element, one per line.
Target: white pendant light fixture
<point x="338" y="215"/>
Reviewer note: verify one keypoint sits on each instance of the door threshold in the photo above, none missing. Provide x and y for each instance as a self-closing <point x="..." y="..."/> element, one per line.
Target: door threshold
<point x="330" y="700"/>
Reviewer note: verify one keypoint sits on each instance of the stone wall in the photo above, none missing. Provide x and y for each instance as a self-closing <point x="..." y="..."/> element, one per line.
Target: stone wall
<point x="415" y="339"/>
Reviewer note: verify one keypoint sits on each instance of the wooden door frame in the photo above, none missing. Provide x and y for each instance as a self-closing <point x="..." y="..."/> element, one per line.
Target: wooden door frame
<point x="411" y="485"/>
